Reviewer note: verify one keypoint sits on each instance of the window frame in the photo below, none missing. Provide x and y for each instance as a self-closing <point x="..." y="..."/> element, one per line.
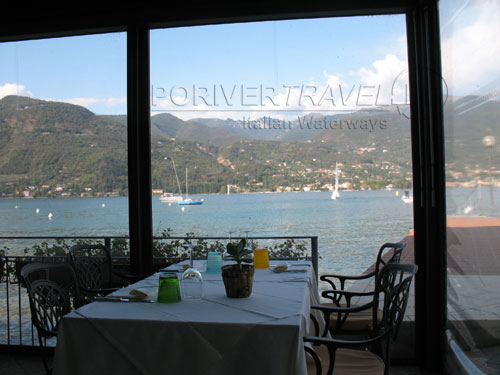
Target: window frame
<point x="137" y="19"/>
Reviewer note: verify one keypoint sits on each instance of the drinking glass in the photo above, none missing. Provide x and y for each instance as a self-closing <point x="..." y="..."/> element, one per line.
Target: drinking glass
<point x="261" y="258"/>
<point x="192" y="284"/>
<point x="214" y="262"/>
<point x="168" y="288"/>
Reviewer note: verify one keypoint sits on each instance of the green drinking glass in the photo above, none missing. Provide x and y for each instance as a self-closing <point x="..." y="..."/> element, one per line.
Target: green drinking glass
<point x="168" y="288"/>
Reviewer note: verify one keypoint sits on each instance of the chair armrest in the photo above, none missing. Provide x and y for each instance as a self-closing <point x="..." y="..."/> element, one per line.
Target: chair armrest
<point x="343" y="278"/>
<point x="337" y="309"/>
<point x="337" y="295"/>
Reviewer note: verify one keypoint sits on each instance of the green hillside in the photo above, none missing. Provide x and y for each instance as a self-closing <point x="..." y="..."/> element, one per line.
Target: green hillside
<point x="52" y="149"/>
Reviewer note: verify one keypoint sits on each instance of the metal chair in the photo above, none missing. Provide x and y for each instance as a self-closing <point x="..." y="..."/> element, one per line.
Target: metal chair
<point x="60" y="273"/>
<point x="94" y="270"/>
<point x="359" y="317"/>
<point x="392" y="291"/>
<point x="53" y="292"/>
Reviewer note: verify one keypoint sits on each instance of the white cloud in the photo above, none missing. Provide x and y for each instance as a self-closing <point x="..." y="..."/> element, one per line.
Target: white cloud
<point x="471" y="48"/>
<point x="91" y="101"/>
<point x="385" y="83"/>
<point x="389" y="80"/>
<point x="13" y="89"/>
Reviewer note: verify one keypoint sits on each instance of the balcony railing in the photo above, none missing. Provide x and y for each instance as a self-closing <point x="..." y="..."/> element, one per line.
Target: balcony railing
<point x="15" y="317"/>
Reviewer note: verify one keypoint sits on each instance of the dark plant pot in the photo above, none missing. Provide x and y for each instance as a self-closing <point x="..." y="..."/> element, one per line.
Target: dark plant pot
<point x="238" y="282"/>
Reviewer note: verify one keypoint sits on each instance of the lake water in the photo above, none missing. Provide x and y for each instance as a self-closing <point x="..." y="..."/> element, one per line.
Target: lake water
<point x="350" y="230"/>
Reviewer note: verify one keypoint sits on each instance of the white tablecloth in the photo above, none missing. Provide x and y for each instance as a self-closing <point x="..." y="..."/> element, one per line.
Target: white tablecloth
<point x="260" y="335"/>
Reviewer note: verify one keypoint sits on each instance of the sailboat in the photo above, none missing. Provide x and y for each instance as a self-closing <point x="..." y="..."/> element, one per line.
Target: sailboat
<point x="407" y="198"/>
<point x="170" y="197"/>
<point x="188" y="201"/>
<point x="335" y="193"/>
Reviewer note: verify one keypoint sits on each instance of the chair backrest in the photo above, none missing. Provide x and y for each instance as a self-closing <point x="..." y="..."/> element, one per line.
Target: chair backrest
<point x="392" y="291"/>
<point x="60" y="273"/>
<point x="49" y="302"/>
<point x="51" y="287"/>
<point x="93" y="266"/>
<point x="395" y="257"/>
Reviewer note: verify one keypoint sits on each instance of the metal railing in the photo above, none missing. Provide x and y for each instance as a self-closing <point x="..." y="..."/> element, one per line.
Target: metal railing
<point x="15" y="316"/>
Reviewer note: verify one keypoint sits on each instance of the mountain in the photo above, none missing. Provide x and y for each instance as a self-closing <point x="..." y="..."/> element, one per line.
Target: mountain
<point x="167" y="125"/>
<point x="468" y="120"/>
<point x="51" y="148"/>
<point x="249" y="128"/>
<point x="50" y="143"/>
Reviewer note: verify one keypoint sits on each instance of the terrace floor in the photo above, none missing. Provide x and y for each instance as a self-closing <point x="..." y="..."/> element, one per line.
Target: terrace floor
<point x="31" y="364"/>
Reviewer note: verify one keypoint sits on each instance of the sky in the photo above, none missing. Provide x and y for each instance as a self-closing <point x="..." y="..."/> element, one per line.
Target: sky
<point x="279" y="67"/>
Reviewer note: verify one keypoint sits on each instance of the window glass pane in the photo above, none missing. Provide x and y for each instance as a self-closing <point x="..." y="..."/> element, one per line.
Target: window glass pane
<point x="259" y="119"/>
<point x="470" y="43"/>
<point x="63" y="160"/>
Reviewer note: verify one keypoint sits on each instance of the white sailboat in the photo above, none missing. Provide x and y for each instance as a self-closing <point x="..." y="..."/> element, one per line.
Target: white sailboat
<point x="170" y="197"/>
<point x="335" y="193"/>
<point x="407" y="198"/>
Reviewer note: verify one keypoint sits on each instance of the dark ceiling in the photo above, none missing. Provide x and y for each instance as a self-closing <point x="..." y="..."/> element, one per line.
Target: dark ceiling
<point x="52" y="19"/>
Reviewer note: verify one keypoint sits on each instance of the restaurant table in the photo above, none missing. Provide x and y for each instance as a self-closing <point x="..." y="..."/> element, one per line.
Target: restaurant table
<point x="261" y="334"/>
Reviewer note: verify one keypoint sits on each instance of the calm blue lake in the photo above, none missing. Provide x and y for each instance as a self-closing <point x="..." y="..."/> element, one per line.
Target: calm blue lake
<point x="349" y="229"/>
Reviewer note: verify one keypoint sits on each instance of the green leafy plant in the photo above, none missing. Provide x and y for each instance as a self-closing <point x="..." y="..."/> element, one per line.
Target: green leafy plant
<point x="60" y="248"/>
<point x="238" y="252"/>
<point x="288" y="249"/>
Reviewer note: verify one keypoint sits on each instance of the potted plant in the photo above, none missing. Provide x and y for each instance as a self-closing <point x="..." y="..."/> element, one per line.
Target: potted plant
<point x="238" y="278"/>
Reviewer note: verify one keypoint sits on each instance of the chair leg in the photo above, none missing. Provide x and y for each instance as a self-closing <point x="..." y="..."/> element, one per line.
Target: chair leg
<point x="48" y="369"/>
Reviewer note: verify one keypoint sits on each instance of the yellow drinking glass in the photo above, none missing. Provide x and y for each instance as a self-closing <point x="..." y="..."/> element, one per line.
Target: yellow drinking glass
<point x="261" y="258"/>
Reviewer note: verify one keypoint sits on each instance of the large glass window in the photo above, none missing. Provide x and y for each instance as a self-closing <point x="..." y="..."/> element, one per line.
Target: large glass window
<point x="288" y="128"/>
<point x="63" y="159"/>
<point x="470" y="38"/>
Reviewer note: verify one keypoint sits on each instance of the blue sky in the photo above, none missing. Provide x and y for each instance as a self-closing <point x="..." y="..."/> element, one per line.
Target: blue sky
<point x="336" y="52"/>
<point x="91" y="70"/>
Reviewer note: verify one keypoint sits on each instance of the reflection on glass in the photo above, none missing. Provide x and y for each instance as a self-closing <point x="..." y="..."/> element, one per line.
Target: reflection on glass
<point x="471" y="56"/>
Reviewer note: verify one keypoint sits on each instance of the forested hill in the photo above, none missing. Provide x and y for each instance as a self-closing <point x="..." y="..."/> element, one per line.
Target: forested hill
<point x="52" y="148"/>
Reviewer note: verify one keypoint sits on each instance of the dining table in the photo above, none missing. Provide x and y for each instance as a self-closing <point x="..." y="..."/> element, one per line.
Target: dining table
<point x="261" y="334"/>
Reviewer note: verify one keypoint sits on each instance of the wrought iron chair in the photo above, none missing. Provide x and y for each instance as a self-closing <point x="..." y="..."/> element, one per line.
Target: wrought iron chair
<point x="94" y="270"/>
<point x="93" y="266"/>
<point x="53" y="292"/>
<point x="392" y="291"/>
<point x="359" y="317"/>
<point x="60" y="273"/>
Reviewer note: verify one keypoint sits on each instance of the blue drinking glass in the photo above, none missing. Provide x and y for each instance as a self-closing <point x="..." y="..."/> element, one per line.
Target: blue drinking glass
<point x="214" y="262"/>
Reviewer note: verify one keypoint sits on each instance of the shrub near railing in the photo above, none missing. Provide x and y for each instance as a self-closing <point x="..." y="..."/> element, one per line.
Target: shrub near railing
<point x="165" y="246"/>
<point x="119" y="247"/>
<point x="176" y="247"/>
<point x="166" y="249"/>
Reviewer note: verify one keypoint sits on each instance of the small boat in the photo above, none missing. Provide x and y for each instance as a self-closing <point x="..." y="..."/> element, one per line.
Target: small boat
<point x="407" y="198"/>
<point x="335" y="193"/>
<point x="171" y="197"/>
<point x="188" y="201"/>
